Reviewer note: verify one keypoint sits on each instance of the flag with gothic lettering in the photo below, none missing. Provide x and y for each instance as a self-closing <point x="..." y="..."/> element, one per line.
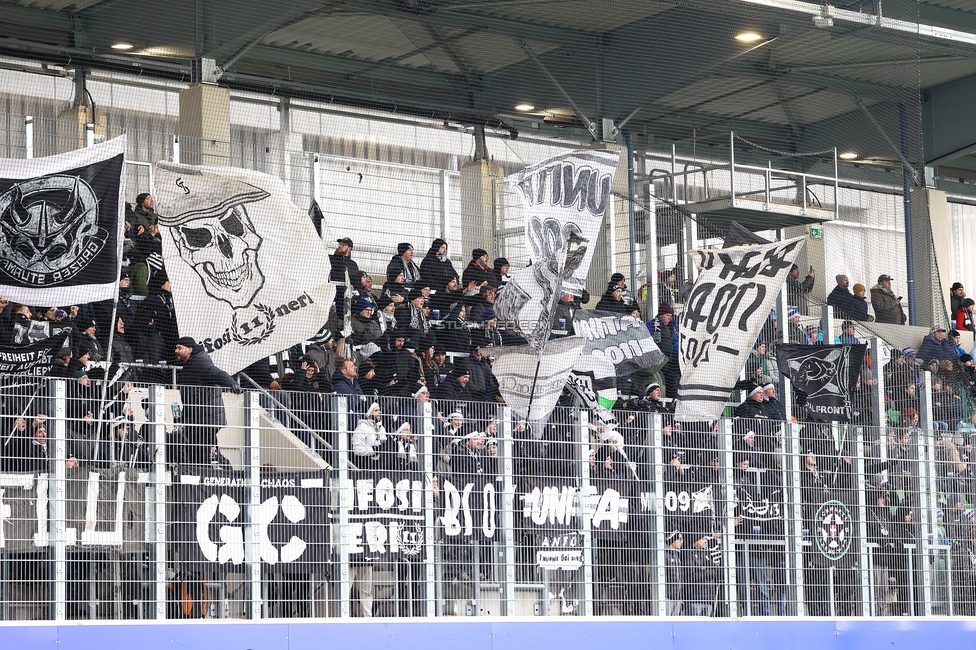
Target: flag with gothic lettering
<point x="61" y="226"/>
<point x="249" y="272"/>
<point x="732" y="297"/>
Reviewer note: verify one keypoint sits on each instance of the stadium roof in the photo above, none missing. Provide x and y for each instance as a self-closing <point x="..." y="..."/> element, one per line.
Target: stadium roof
<point x="815" y="77"/>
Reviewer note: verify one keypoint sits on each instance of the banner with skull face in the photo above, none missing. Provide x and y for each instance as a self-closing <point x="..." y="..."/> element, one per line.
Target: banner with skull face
<point x="250" y="275"/>
<point x="61" y="226"/>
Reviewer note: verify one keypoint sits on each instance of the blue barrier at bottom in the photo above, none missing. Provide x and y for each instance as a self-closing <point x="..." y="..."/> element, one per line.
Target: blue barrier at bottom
<point x="498" y="634"/>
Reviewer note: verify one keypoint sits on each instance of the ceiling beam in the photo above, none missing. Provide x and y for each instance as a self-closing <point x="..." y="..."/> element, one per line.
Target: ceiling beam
<point x="465" y="20"/>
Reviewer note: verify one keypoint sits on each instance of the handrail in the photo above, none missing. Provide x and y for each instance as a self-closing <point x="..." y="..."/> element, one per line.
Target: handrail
<point x="290" y="413"/>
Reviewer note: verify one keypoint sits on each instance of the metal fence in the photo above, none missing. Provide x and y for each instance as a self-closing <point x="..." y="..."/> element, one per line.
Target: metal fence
<point x="193" y="503"/>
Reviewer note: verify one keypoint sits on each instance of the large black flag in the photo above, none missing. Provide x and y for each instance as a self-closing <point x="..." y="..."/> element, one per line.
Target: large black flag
<point x="61" y="226"/>
<point x="825" y="374"/>
<point x="35" y="359"/>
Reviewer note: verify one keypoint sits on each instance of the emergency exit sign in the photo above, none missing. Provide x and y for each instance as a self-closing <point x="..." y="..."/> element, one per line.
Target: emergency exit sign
<point x="816" y="232"/>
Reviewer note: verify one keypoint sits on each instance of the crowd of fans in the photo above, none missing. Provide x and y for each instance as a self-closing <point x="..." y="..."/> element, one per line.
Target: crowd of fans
<point x="427" y="336"/>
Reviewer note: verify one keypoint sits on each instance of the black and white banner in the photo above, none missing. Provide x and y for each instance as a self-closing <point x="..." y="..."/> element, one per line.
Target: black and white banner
<point x="61" y="226"/>
<point x="35" y="360"/>
<point x="386" y="515"/>
<point x="34" y="331"/>
<point x="249" y="271"/>
<point x="527" y="301"/>
<point x="552" y="512"/>
<point x="208" y="519"/>
<point x="621" y="339"/>
<point x="826" y="374"/>
<point x="566" y="199"/>
<point x="470" y="510"/>
<point x="104" y="510"/>
<point x="732" y="297"/>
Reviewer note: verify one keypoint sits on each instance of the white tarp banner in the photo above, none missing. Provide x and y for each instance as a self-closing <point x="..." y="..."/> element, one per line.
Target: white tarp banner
<point x="61" y="226"/>
<point x="566" y="198"/>
<point x="733" y="295"/>
<point x="248" y="269"/>
<point x="531" y="382"/>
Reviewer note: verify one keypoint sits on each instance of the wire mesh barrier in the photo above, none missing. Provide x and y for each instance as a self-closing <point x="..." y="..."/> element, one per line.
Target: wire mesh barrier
<point x="196" y="503"/>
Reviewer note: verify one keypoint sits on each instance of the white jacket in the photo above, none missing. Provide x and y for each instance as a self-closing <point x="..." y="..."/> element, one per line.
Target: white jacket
<point x="369" y="435"/>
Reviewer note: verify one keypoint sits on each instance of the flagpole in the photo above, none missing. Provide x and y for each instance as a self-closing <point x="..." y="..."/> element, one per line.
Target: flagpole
<point x="105" y="378"/>
<point x="26" y="408"/>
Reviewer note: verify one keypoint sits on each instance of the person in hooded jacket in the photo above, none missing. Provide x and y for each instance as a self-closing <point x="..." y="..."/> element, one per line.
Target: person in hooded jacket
<point x="394" y="365"/>
<point x="159" y="308"/>
<point x="436" y="269"/>
<point x="403" y="263"/>
<point x="498" y="275"/>
<point x="454" y="333"/>
<point x="394" y="287"/>
<point x="364" y="328"/>
<point x="476" y="272"/>
<point x="447" y="296"/>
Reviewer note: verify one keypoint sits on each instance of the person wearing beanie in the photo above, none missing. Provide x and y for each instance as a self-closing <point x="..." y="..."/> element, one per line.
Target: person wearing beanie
<point x="365" y="328"/>
<point x="414" y="316"/>
<point x="201" y="384"/>
<point x="499" y="272"/>
<point x="664" y="330"/>
<point x="476" y="273"/>
<point x="612" y="299"/>
<point x="887" y="306"/>
<point x="956" y="295"/>
<point x="848" y="333"/>
<point x="953" y="344"/>
<point x="845" y="303"/>
<point x="402" y="263"/>
<point x="436" y="269"/>
<point x="964" y="317"/>
<point x="860" y="290"/>
<point x="478" y="303"/>
<point x="364" y="289"/>
<point x="142" y="228"/>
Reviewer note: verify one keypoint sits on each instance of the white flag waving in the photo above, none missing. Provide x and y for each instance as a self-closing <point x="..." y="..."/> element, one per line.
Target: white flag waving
<point x="249" y="272"/>
<point x="61" y="226"/>
<point x="734" y="293"/>
<point x="531" y="382"/>
<point x="566" y="199"/>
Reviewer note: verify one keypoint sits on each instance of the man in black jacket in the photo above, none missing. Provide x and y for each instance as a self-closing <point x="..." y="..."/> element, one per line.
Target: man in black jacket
<point x="341" y="261"/>
<point x="203" y="408"/>
<point x="845" y="303"/>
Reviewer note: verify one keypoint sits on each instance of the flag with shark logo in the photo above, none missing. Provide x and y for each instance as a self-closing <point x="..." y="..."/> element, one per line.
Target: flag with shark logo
<point x="248" y="269"/>
<point x="61" y="226"/>
<point x="826" y="374"/>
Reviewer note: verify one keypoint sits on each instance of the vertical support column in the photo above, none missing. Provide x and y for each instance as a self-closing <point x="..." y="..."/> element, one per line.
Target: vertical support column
<point x="827" y="324"/>
<point x="28" y="137"/>
<point x="446" y="212"/>
<point x="175" y="144"/>
<point x="928" y="486"/>
<point x="508" y="508"/>
<point x="862" y="529"/>
<point x="582" y="438"/>
<point x="731" y="591"/>
<point x="205" y="124"/>
<point x="427" y="440"/>
<point x="345" y="504"/>
<point x="794" y="508"/>
<point x="252" y="468"/>
<point x="651" y="255"/>
<point x="732" y="165"/>
<point x="691" y="243"/>
<point x="878" y="392"/>
<point x="157" y="415"/>
<point x="58" y="499"/>
<point x="907" y="182"/>
<point x="660" y="573"/>
<point x="89" y="135"/>
<point x="631" y="216"/>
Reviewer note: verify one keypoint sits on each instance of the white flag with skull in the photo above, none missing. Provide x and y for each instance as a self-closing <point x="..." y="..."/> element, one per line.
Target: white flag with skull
<point x="249" y="272"/>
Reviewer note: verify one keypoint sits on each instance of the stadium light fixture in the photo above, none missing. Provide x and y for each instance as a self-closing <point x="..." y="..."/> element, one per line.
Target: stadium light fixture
<point x="848" y="155"/>
<point x="524" y="108"/>
<point x="748" y="37"/>
<point x="122" y="46"/>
